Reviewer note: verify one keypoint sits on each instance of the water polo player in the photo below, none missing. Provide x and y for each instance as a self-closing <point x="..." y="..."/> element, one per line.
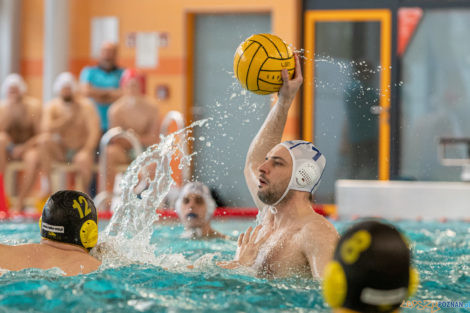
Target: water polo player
<point x="371" y="270"/>
<point x="282" y="178"/>
<point x="195" y="207"/>
<point x="68" y="229"/>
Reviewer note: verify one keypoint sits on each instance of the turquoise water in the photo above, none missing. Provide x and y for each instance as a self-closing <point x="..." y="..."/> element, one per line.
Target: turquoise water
<point x="441" y="254"/>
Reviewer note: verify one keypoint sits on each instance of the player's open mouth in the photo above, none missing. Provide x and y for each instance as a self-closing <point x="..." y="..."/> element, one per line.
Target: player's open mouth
<point x="262" y="182"/>
<point x="191" y="216"/>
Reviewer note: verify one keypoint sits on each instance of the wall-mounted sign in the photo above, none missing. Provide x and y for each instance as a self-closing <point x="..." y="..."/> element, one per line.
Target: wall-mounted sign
<point x="103" y="29"/>
<point x="146" y="54"/>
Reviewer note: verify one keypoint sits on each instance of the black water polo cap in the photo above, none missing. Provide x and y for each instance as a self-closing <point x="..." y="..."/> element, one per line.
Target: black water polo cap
<point x="70" y="216"/>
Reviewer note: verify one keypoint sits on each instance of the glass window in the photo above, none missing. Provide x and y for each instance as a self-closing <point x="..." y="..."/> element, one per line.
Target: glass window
<point x="435" y="93"/>
<point x="236" y="114"/>
<point x="346" y="105"/>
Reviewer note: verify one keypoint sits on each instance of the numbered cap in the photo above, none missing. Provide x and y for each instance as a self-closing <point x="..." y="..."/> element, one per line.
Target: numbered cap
<point x="70" y="217"/>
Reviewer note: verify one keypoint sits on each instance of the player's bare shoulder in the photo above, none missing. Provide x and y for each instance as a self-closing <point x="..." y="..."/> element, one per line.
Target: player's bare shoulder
<point x="317" y="227"/>
<point x="85" y="102"/>
<point x="53" y="108"/>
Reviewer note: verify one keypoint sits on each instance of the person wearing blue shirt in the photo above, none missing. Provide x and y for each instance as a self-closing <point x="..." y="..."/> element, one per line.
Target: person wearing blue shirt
<point x="101" y="82"/>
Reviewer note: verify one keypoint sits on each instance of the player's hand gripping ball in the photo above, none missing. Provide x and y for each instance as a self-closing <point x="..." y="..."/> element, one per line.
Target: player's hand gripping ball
<point x="258" y="63"/>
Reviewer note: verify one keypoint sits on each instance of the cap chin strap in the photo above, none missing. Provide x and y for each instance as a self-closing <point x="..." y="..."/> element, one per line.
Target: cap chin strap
<point x="281" y="198"/>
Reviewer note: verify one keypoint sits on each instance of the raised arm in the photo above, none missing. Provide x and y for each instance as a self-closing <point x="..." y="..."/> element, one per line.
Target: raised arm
<point x="270" y="133"/>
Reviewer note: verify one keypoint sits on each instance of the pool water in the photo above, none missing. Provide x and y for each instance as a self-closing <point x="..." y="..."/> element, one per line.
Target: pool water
<point x="441" y="253"/>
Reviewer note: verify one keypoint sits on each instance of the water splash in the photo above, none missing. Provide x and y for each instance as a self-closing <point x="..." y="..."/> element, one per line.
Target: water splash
<point x="126" y="239"/>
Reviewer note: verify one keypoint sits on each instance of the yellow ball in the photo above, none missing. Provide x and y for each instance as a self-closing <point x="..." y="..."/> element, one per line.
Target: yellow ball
<point x="258" y="63"/>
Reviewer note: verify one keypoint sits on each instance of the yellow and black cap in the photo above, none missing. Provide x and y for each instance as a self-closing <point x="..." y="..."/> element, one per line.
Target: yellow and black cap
<point x="371" y="269"/>
<point x="70" y="217"/>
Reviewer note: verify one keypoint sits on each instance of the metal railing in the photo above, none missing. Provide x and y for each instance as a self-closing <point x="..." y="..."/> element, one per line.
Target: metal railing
<point x="453" y="160"/>
<point x="116" y="132"/>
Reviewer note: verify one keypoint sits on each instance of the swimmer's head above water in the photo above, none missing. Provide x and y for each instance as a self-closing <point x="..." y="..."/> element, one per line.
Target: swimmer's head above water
<point x="371" y="270"/>
<point x="291" y="165"/>
<point x="195" y="205"/>
<point x="70" y="217"/>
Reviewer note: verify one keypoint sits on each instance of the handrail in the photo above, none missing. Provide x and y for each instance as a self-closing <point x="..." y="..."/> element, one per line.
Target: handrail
<point x="452" y="161"/>
<point x="172" y="116"/>
<point x="177" y="117"/>
<point x="116" y="132"/>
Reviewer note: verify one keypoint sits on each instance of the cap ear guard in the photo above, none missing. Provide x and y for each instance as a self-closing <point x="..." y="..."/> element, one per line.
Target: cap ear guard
<point x="304" y="175"/>
<point x="89" y="234"/>
<point x="413" y="282"/>
<point x="335" y="285"/>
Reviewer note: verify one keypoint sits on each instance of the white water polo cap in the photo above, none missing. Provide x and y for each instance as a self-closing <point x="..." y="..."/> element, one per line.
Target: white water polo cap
<point x="65" y="79"/>
<point x="13" y="80"/>
<point x="308" y="164"/>
<point x="201" y="190"/>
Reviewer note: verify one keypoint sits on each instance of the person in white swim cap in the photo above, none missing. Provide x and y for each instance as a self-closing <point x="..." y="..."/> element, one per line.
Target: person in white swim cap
<point x="20" y="123"/>
<point x="195" y="207"/>
<point x="308" y="165"/>
<point x="291" y="238"/>
<point x="70" y="132"/>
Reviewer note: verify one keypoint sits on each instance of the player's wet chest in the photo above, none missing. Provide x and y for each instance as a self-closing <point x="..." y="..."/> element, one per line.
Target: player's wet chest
<point x="282" y="250"/>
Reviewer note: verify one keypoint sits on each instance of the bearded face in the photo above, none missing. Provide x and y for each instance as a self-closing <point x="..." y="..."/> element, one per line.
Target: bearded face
<point x="66" y="93"/>
<point x="274" y="175"/>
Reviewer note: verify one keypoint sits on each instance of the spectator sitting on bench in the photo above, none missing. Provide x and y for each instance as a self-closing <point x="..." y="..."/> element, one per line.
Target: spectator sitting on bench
<point x="71" y="130"/>
<point x="20" y="118"/>
<point x="135" y="112"/>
